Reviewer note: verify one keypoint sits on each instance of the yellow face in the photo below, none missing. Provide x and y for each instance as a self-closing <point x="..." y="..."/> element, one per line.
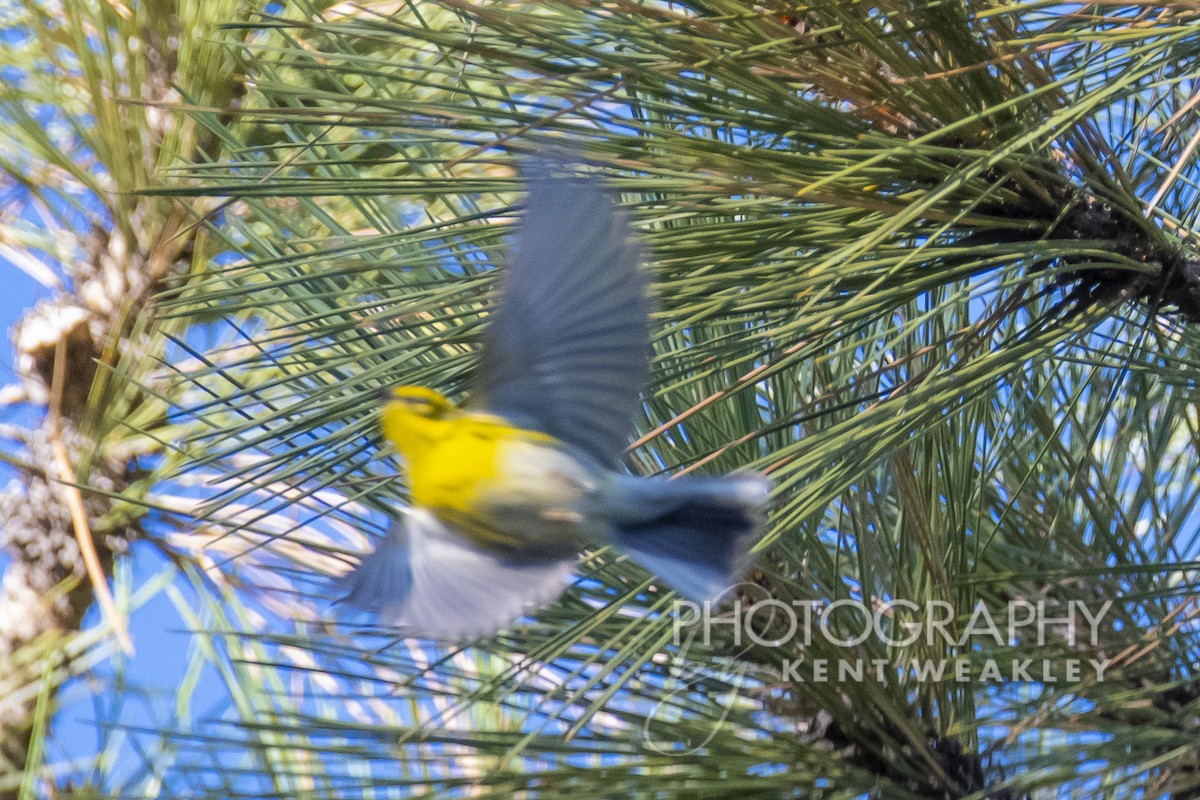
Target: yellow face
<point x="413" y="417"/>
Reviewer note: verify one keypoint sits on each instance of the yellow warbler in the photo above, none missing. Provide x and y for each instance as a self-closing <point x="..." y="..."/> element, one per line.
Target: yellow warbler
<point x="506" y="491"/>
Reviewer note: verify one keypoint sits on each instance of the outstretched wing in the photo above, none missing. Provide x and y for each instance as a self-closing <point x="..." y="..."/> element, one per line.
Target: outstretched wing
<point x="429" y="581"/>
<point x="566" y="349"/>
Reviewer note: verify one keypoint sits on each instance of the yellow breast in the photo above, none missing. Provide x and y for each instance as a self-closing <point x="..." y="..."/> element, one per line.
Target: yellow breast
<point x="492" y="480"/>
<point x="449" y="473"/>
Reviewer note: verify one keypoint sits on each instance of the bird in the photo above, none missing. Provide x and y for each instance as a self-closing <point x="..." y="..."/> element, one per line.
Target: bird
<point x="508" y="489"/>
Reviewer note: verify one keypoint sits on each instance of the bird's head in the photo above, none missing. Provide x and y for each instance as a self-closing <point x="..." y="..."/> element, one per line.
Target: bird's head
<point x="414" y="416"/>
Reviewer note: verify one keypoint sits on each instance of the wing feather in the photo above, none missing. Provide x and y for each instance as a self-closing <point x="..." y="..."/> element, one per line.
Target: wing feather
<point x="428" y="580"/>
<point x="572" y="320"/>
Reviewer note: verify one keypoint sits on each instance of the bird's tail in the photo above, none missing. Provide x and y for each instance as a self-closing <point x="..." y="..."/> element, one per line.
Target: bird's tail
<point x="694" y="533"/>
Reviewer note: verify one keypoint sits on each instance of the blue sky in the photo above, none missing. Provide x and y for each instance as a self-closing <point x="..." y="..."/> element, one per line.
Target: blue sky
<point x="20" y="292"/>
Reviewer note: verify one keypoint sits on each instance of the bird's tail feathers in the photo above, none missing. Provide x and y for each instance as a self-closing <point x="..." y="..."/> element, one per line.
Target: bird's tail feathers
<point x="694" y="533"/>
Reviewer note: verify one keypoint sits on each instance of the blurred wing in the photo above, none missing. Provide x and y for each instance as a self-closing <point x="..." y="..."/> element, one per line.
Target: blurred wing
<point x="566" y="351"/>
<point x="430" y="581"/>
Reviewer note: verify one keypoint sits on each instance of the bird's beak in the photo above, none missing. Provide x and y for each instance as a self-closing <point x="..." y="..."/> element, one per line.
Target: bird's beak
<point x="385" y="395"/>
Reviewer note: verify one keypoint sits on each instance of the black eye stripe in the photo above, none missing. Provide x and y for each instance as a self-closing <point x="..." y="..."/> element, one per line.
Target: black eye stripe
<point x="421" y="405"/>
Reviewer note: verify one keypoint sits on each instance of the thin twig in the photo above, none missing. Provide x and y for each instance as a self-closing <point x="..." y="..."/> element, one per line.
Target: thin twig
<point x="1176" y="168"/>
<point x="79" y="520"/>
